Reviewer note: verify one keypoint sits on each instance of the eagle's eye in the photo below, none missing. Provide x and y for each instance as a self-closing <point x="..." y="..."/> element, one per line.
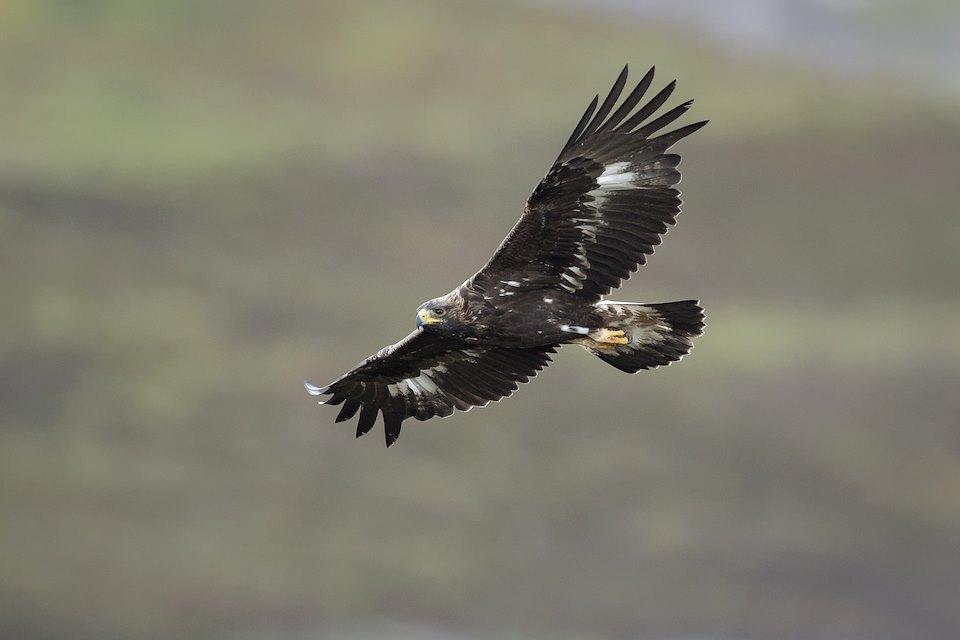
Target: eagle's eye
<point x="438" y="311"/>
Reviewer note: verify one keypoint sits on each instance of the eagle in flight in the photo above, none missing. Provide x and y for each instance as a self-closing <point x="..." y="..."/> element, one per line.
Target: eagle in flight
<point x="592" y="220"/>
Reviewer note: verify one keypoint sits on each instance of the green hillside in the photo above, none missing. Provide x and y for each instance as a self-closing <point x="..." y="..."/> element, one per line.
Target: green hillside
<point x="203" y="203"/>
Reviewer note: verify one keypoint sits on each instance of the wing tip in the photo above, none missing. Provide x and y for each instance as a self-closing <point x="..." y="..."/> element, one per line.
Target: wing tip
<point x="314" y="390"/>
<point x="391" y="433"/>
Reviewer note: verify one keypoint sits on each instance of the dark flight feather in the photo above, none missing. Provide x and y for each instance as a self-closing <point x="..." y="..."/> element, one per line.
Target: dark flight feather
<point x="425" y="375"/>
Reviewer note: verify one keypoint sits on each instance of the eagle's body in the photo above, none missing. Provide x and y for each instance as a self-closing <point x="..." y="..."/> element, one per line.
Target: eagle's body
<point x="509" y="320"/>
<point x="591" y="221"/>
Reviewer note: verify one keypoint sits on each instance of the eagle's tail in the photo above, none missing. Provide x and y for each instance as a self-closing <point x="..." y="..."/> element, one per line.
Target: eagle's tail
<point x="652" y="334"/>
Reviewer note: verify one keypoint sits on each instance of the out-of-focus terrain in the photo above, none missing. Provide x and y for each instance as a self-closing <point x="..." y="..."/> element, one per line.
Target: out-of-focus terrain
<point x="202" y="203"/>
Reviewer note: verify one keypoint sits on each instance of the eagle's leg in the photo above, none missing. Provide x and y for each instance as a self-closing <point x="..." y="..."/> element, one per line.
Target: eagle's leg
<point x="603" y="338"/>
<point x="606" y="336"/>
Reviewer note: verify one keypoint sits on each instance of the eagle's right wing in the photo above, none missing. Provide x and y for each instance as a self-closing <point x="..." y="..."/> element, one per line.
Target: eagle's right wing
<point x="428" y="374"/>
<point x="602" y="207"/>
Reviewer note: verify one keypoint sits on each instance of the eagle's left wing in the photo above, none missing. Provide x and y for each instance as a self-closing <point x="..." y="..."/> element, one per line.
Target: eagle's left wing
<point x="426" y="375"/>
<point x="602" y="207"/>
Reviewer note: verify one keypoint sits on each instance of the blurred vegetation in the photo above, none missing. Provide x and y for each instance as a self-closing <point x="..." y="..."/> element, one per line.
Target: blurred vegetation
<point x="202" y="203"/>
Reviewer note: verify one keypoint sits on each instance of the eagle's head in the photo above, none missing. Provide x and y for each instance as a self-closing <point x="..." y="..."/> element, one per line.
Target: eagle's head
<point x="439" y="313"/>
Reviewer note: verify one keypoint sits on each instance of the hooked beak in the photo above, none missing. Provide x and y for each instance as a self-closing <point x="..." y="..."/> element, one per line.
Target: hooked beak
<point x="425" y="318"/>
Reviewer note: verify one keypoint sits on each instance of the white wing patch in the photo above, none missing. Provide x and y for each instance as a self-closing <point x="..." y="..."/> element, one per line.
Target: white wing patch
<point x="509" y="283"/>
<point x="616" y="177"/>
<point x="420" y="385"/>
<point x="573" y="275"/>
<point x="589" y="229"/>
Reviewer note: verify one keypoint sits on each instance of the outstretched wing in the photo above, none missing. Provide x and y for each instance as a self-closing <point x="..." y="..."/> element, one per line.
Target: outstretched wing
<point x="602" y="207"/>
<point x="426" y="375"/>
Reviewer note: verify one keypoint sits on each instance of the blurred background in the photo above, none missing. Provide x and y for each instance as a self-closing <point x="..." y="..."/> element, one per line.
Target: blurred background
<point x="203" y="203"/>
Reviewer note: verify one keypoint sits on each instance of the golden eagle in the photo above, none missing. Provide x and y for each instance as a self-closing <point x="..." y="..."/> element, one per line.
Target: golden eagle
<point x="592" y="220"/>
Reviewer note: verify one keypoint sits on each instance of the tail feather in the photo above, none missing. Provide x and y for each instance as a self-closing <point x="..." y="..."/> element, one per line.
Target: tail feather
<point x="657" y="334"/>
